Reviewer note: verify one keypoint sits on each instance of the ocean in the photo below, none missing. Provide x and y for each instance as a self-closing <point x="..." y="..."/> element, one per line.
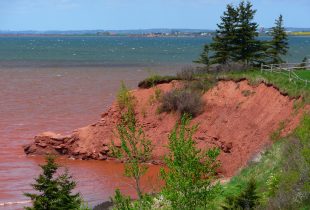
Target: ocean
<point x="115" y="51"/>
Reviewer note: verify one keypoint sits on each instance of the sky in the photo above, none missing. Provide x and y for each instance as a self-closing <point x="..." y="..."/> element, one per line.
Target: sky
<point x="139" y="14"/>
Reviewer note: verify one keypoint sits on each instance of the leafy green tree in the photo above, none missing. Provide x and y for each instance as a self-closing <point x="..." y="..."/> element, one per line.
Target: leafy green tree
<point x="190" y="171"/>
<point x="204" y="57"/>
<point x="223" y="41"/>
<point x="135" y="148"/>
<point x="247" y="48"/>
<point x="279" y="43"/>
<point x="55" y="193"/>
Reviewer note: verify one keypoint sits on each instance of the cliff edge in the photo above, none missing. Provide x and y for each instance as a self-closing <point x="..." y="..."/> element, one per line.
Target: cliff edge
<point x="238" y="118"/>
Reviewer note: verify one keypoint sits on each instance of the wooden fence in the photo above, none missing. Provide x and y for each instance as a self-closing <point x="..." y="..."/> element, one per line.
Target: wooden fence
<point x="288" y="69"/>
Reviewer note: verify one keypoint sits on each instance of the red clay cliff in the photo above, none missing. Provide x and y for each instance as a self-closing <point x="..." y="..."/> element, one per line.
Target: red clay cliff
<point x="239" y="124"/>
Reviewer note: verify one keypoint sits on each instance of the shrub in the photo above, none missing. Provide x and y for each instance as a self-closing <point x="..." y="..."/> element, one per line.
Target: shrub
<point x="247" y="199"/>
<point x="190" y="171"/>
<point x="121" y="202"/>
<point x="124" y="98"/>
<point x="155" y="80"/>
<point x="182" y="101"/>
<point x="187" y="73"/>
<point x="200" y="85"/>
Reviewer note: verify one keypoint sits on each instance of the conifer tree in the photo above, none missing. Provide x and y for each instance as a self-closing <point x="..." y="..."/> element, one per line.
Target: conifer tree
<point x="55" y="193"/>
<point x="247" y="48"/>
<point x="204" y="57"/>
<point x="279" y="42"/>
<point x="222" y="44"/>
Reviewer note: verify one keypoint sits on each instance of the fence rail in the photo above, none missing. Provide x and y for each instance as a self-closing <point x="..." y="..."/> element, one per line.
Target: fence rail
<point x="288" y="69"/>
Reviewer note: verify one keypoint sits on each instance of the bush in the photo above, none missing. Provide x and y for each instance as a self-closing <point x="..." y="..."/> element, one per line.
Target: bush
<point x="124" y="98"/>
<point x="121" y="202"/>
<point x="247" y="199"/>
<point x="155" y="80"/>
<point x="201" y="85"/>
<point x="182" y="101"/>
<point x="187" y="73"/>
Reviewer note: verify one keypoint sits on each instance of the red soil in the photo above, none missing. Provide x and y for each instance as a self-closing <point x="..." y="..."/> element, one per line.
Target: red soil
<point x="239" y="124"/>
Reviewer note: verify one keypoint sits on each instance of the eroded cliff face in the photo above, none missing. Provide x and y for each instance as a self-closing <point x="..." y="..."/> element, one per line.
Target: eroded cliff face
<point x="237" y="118"/>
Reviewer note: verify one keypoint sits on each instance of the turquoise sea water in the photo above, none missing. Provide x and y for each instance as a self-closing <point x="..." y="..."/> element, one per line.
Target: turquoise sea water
<point x="115" y="51"/>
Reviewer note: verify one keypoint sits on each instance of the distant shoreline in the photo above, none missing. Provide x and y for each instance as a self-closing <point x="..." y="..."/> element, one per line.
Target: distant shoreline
<point x="194" y="35"/>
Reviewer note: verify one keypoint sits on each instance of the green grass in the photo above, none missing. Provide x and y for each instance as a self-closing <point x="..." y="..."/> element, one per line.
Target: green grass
<point x="155" y="80"/>
<point x="276" y="173"/>
<point x="293" y="88"/>
<point x="304" y="74"/>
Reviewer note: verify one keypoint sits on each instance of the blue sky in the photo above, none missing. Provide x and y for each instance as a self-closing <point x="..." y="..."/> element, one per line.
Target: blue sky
<point x="139" y="14"/>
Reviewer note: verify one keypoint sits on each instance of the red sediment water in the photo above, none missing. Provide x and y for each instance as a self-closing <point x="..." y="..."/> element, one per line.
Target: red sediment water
<point x="35" y="100"/>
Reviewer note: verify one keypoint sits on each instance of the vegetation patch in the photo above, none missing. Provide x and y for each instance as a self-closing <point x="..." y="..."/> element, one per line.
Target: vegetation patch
<point x="155" y="80"/>
<point x="124" y="98"/>
<point x="182" y="101"/>
<point x="294" y="89"/>
<point x="281" y="176"/>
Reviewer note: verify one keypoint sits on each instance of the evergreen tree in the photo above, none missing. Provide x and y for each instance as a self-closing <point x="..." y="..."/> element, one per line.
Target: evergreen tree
<point x="204" y="57"/>
<point x="247" y="48"/>
<point x="55" y="193"/>
<point x="279" y="42"/>
<point x="222" y="44"/>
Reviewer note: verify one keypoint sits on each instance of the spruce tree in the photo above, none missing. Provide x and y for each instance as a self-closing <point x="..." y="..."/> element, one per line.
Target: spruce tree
<point x="279" y="43"/>
<point x="222" y="44"/>
<point x="55" y="193"/>
<point x="204" y="57"/>
<point x="247" y="48"/>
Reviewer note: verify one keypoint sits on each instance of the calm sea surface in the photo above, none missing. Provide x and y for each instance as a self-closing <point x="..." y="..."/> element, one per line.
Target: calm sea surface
<point x="62" y="83"/>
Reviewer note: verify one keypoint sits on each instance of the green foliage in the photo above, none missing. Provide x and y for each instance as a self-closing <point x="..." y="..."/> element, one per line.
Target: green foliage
<point x="294" y="89"/>
<point x="55" y="193"/>
<point x="204" y="56"/>
<point x="281" y="176"/>
<point x="276" y="135"/>
<point x="190" y="171"/>
<point x="155" y="80"/>
<point x="124" y="98"/>
<point x="182" y="101"/>
<point x="223" y="42"/>
<point x="121" y="202"/>
<point x="135" y="148"/>
<point x="247" y="48"/>
<point x="279" y="43"/>
<point x="236" y="37"/>
<point x="156" y="96"/>
<point x="247" y="199"/>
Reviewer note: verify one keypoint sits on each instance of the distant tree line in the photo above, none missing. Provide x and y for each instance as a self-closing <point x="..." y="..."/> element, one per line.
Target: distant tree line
<point x="236" y="39"/>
